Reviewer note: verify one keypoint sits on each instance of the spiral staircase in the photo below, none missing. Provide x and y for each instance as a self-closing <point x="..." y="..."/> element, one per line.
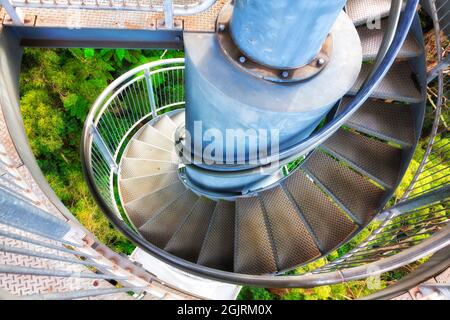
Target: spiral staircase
<point x="136" y="171"/>
<point x="334" y="194"/>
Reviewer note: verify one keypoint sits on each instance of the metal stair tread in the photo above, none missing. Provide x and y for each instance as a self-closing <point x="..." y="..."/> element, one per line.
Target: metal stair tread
<point x="356" y="195"/>
<point x="155" y="138"/>
<point x="398" y="84"/>
<point x="141" y="150"/>
<point x="284" y="219"/>
<point x="371" y="40"/>
<point x="133" y="188"/>
<point x="135" y="167"/>
<point x="330" y="225"/>
<point x="165" y="126"/>
<point x="187" y="241"/>
<point x="218" y="247"/>
<point x="386" y="121"/>
<point x="179" y="118"/>
<point x="362" y="11"/>
<point x="160" y="228"/>
<point x="141" y="210"/>
<point x="374" y="159"/>
<point x="253" y="252"/>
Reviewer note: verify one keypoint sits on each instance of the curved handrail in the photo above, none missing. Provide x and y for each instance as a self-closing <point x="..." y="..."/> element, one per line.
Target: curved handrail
<point x="309" y="144"/>
<point x="439" y="104"/>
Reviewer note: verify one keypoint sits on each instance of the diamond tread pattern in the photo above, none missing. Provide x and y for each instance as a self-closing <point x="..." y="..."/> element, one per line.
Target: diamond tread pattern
<point x="329" y="224"/>
<point x="187" y="241"/>
<point x="294" y="245"/>
<point x="378" y="160"/>
<point x="218" y="247"/>
<point x="159" y="229"/>
<point x="355" y="193"/>
<point x="253" y="248"/>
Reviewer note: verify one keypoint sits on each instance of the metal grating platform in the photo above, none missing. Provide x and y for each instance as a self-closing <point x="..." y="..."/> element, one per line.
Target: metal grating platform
<point x="116" y="19"/>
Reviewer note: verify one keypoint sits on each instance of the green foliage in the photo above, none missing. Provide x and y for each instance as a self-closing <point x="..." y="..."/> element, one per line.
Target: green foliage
<point x="253" y="293"/>
<point x="57" y="89"/>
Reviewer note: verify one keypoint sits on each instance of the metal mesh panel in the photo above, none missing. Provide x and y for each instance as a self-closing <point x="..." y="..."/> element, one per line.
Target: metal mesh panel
<point x="388" y="121"/>
<point x="218" y="247"/>
<point x="363" y="11"/>
<point x="159" y="229"/>
<point x="138" y="149"/>
<point x="376" y="159"/>
<point x="166" y="126"/>
<point x="155" y="138"/>
<point x="350" y="189"/>
<point x="135" y="188"/>
<point x="140" y="210"/>
<point x="330" y="225"/>
<point x="293" y="242"/>
<point x="179" y="118"/>
<point x="371" y="40"/>
<point x="399" y="84"/>
<point x="187" y="241"/>
<point x="132" y="168"/>
<point x="253" y="248"/>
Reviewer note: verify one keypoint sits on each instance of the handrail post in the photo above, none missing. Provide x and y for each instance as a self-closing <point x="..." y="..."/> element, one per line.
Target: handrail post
<point x="168" y="14"/>
<point x="150" y="92"/>
<point x="15" y="14"/>
<point x="101" y="145"/>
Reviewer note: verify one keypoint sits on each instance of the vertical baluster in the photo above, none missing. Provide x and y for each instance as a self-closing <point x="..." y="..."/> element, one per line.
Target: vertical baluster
<point x="103" y="148"/>
<point x="150" y="92"/>
<point x="14" y="13"/>
<point x="168" y="14"/>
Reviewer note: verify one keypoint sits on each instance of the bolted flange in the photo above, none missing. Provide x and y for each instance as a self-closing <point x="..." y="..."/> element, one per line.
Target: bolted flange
<point x="246" y="64"/>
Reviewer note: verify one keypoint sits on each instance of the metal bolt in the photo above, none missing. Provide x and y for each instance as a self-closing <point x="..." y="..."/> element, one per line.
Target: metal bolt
<point x="222" y="27"/>
<point x="320" y="61"/>
<point x="285" y="74"/>
<point x="242" y="59"/>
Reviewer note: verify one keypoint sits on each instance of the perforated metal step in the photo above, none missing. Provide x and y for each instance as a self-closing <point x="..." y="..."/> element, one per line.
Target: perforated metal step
<point x="330" y="225"/>
<point x="187" y="241"/>
<point x="253" y="247"/>
<point x="155" y="138"/>
<point x="218" y="246"/>
<point x="141" y="150"/>
<point x="159" y="229"/>
<point x="166" y="126"/>
<point x="363" y="11"/>
<point x="399" y="84"/>
<point x="360" y="198"/>
<point x="387" y="121"/>
<point x="371" y="40"/>
<point x="132" y="168"/>
<point x="377" y="160"/>
<point x="293" y="242"/>
<point x="134" y="188"/>
<point x="141" y="210"/>
<point x="179" y="118"/>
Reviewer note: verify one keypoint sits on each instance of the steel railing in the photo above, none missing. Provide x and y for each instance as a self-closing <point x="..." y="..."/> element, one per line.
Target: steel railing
<point x="170" y="8"/>
<point x="133" y="99"/>
<point x="401" y="229"/>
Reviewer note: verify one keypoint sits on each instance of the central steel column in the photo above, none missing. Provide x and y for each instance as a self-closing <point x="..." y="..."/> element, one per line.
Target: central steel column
<point x="283" y="34"/>
<point x="277" y="35"/>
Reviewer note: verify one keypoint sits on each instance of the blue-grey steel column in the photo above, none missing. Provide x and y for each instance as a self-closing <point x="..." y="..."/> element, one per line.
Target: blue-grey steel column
<point x="221" y="96"/>
<point x="283" y="34"/>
